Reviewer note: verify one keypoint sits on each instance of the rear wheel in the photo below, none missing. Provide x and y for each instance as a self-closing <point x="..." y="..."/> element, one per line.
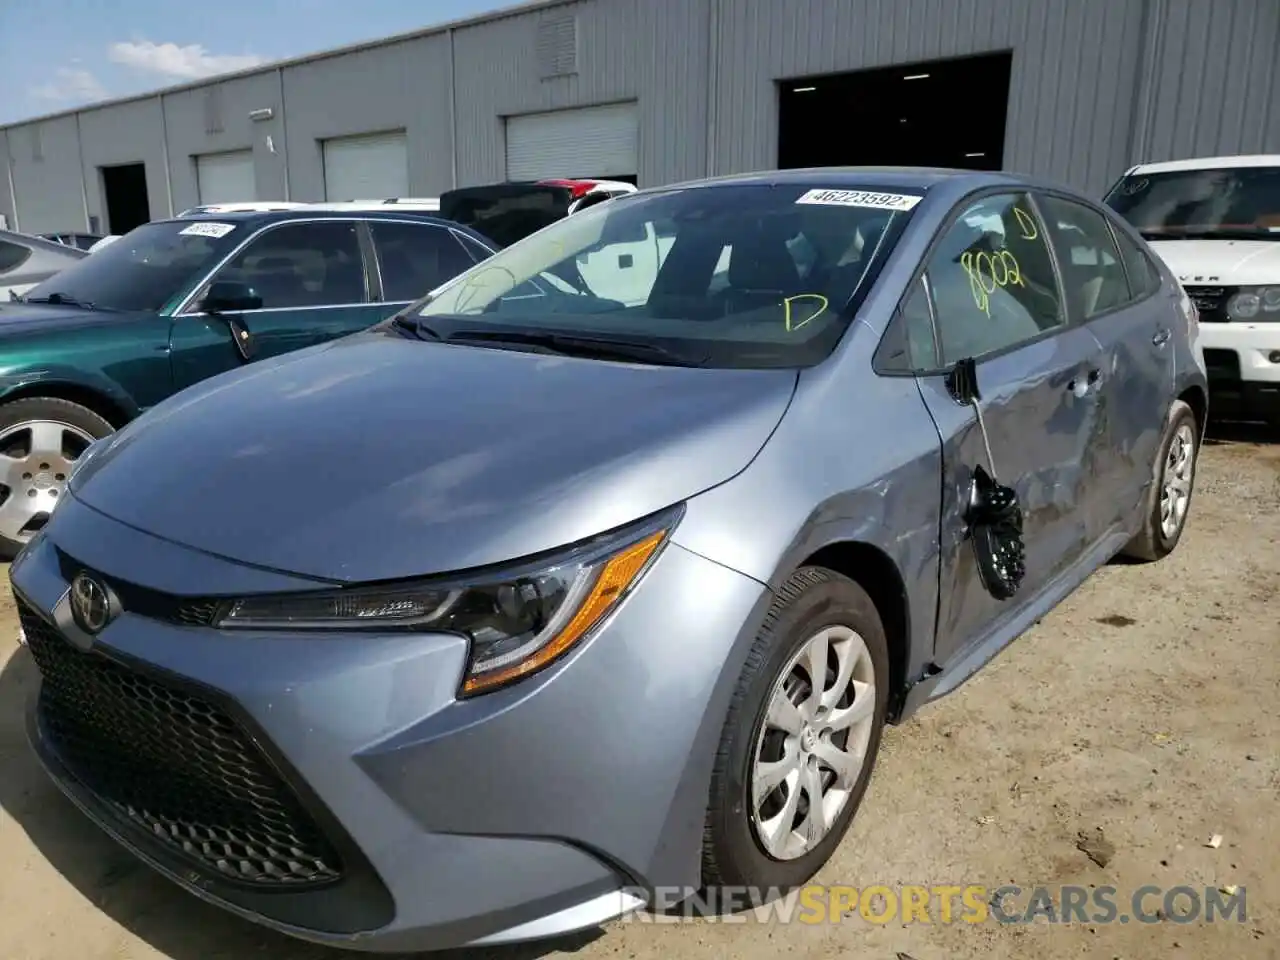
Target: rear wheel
<point x="801" y="738"/>
<point x="1173" y="483"/>
<point x="40" y="441"/>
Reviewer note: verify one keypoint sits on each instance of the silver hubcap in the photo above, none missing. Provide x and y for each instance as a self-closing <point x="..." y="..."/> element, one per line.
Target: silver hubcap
<point x="35" y="459"/>
<point x="1175" y="487"/>
<point x="813" y="743"/>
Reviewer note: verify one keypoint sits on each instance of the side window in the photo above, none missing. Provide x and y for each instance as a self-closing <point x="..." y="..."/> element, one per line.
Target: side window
<point x="414" y="259"/>
<point x="1144" y="278"/>
<point x="12" y="256"/>
<point x="917" y="321"/>
<point x="302" y="265"/>
<point x="992" y="279"/>
<point x="908" y="345"/>
<point x="1093" y="277"/>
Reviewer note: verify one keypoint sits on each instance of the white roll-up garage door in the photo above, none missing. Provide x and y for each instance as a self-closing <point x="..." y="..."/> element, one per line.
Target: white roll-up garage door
<point x="587" y="142"/>
<point x="226" y="177"/>
<point x="367" y="167"/>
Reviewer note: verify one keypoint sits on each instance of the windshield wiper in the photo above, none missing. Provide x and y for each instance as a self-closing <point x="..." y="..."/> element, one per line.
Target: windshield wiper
<point x="415" y="328"/>
<point x="62" y="300"/>
<point x="570" y="345"/>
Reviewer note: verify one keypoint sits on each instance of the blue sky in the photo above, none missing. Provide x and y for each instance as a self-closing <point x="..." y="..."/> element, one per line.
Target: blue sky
<point x="59" y="54"/>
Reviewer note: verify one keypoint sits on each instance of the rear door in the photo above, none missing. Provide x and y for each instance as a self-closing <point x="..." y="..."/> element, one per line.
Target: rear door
<point x="1135" y="328"/>
<point x="412" y="259"/>
<point x="992" y="292"/>
<point x="312" y="279"/>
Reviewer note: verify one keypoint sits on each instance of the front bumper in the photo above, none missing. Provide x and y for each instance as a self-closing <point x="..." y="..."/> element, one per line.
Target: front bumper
<point x="521" y="814"/>
<point x="1243" y="379"/>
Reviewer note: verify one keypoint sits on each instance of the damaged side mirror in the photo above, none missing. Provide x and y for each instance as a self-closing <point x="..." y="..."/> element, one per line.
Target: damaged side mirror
<point x="994" y="515"/>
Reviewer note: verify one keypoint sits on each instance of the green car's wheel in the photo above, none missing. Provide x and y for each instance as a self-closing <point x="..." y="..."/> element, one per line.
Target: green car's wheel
<point x="40" y="440"/>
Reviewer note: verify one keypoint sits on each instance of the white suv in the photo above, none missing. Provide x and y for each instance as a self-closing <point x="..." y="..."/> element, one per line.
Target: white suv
<point x="1216" y="222"/>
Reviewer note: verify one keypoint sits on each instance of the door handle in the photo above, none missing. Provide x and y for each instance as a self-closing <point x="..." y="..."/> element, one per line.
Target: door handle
<point x="1161" y="338"/>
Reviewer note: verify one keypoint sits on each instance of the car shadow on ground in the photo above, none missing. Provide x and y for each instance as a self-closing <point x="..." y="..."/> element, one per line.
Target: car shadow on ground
<point x="1238" y="431"/>
<point x="171" y="921"/>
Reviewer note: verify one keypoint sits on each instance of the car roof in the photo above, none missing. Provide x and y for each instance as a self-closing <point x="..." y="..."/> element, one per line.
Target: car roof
<point x="879" y="178"/>
<point x="1209" y="163"/>
<point x="315" y="213"/>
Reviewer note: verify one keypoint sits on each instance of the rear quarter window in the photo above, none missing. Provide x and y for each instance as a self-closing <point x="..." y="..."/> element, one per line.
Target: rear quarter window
<point x="1144" y="275"/>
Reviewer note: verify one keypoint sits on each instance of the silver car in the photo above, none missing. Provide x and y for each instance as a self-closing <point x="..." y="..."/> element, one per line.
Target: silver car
<point x="26" y="261"/>
<point x="597" y="574"/>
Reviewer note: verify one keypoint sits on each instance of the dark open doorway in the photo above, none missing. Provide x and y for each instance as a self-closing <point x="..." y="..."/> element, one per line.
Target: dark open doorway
<point x="943" y="113"/>
<point x="124" y="188"/>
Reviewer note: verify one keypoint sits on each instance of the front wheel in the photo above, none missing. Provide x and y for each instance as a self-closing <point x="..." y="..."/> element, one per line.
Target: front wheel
<point x="801" y="738"/>
<point x="40" y="441"/>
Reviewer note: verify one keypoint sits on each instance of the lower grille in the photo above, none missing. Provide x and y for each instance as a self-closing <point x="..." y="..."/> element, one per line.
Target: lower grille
<point x="176" y="766"/>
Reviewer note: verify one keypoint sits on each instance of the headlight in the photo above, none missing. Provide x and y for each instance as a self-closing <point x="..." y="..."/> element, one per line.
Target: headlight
<point x="518" y="620"/>
<point x="1255" y="303"/>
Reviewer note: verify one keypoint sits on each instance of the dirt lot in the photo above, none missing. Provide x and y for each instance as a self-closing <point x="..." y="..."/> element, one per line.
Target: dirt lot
<point x="1146" y="706"/>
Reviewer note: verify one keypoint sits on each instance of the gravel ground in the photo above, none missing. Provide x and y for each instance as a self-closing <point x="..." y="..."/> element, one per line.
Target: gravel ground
<point x="1145" y="706"/>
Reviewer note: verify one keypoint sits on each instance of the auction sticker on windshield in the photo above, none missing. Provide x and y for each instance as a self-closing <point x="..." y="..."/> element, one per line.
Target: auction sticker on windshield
<point x="861" y="198"/>
<point x="215" y="230"/>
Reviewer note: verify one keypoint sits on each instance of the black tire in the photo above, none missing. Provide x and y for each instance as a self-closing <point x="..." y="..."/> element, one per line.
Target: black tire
<point x="813" y="598"/>
<point x="1151" y="544"/>
<point x="33" y="409"/>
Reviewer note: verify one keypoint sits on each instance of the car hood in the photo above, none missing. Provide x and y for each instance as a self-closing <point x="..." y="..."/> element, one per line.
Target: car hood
<point x="1230" y="262"/>
<point x="376" y="457"/>
<point x="21" y="319"/>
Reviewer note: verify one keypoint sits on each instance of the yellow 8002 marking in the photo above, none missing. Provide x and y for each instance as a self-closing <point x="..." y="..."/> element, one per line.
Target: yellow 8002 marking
<point x="786" y="306"/>
<point x="989" y="272"/>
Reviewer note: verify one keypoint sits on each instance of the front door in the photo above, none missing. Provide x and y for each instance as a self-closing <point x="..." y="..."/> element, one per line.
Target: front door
<point x="996" y="298"/>
<point x="1110" y="293"/>
<point x="312" y="281"/>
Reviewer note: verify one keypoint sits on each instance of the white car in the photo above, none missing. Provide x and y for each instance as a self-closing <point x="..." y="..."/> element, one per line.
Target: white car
<point x="1216" y="222"/>
<point x="106" y="241"/>
<point x="423" y="204"/>
<point x="247" y="206"/>
<point x="26" y="261"/>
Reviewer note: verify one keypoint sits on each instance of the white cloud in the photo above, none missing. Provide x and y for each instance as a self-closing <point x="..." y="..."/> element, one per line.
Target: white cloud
<point x="189" y="63"/>
<point x="70" y="83"/>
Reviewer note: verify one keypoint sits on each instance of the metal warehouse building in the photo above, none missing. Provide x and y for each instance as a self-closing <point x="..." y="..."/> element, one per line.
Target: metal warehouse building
<point x="665" y="90"/>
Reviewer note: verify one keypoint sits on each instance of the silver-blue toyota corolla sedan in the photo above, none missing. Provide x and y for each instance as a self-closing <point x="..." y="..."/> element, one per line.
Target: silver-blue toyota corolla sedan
<point x="598" y="571"/>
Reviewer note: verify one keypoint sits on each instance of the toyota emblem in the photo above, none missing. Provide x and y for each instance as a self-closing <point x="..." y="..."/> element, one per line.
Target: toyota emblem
<point x="90" y="604"/>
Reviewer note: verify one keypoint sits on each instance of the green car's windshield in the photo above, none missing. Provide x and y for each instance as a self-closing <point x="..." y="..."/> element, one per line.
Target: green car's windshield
<point x="144" y="269"/>
<point x="744" y="275"/>
<point x="1227" y="203"/>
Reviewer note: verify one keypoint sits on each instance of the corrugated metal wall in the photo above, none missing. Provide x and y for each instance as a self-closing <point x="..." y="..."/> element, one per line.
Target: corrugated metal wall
<point x="653" y="51"/>
<point x="1096" y="85"/>
<point x="1074" y="70"/>
<point x="1213" y="79"/>
<point x="6" y="183"/>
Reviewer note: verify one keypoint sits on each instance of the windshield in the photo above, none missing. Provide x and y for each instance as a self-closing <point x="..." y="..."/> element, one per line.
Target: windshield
<point x="1231" y="202"/>
<point x="144" y="269"/>
<point x="738" y="275"/>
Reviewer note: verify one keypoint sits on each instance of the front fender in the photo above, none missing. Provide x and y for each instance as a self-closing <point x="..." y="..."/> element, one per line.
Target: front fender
<point x="872" y="476"/>
<point x="61" y="380"/>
